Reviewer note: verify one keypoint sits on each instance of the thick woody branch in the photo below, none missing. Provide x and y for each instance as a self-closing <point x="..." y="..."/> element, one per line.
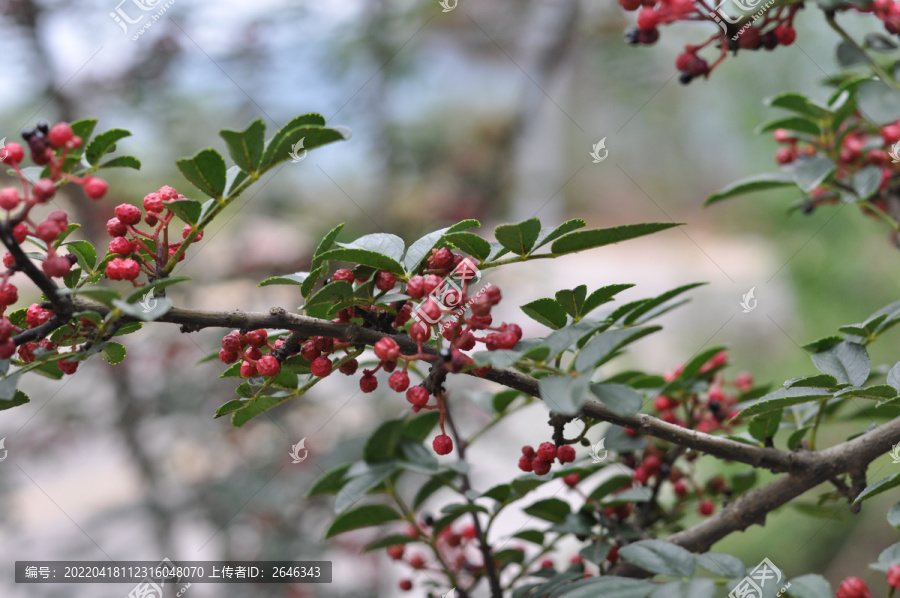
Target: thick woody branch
<point x="61" y="305"/>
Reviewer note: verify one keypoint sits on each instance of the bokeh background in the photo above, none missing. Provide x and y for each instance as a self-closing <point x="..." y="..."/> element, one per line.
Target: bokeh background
<point x="488" y="111"/>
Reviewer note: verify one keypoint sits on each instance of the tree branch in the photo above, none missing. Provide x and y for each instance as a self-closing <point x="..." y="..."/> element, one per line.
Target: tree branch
<point x="61" y="305"/>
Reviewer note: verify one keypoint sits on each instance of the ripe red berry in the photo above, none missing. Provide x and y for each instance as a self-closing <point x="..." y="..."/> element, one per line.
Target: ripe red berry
<point x="652" y="463"/>
<point x="153" y="203"/>
<point x="268" y="366"/>
<point x="47" y="231"/>
<point x="662" y="403"/>
<point x="405" y="585"/>
<point x="116" y="228"/>
<point x="525" y="463"/>
<point x="12" y="153"/>
<point x="368" y="382"/>
<point x="95" y="188"/>
<point x="232" y="342"/>
<point x="128" y="214"/>
<point x="385" y="280"/>
<point x="893" y="576"/>
<point x="853" y="587"/>
<point x="442" y="444"/>
<point x="399" y="381"/>
<point x="613" y="555"/>
<point x="640" y="475"/>
<point x="441" y="259"/>
<point x="430" y="283"/>
<point x="785" y="34"/>
<point x="343" y="274"/>
<point x="325" y="344"/>
<point x="547" y="564"/>
<point x="565" y="454"/>
<point x="572" y="480"/>
<point x="309" y="351"/>
<point x="121" y="246"/>
<point x="67" y="367"/>
<point x="227" y="356"/>
<point x="248" y="370"/>
<point x="415" y="287"/>
<point x="419" y="331"/>
<point x="418" y="396"/>
<point x="348" y="368"/>
<point x="9" y="198"/>
<point x="396" y="551"/>
<point x="60" y="134"/>
<point x="647" y="19"/>
<point x="56" y="266"/>
<point x="430" y="311"/>
<point x="7" y="348"/>
<point x="257" y="338"/>
<point x="167" y="193"/>
<point x="630" y="4"/>
<point x="252" y="354"/>
<point x="320" y="367"/>
<point x="684" y="61"/>
<point x="750" y="39"/>
<point x="528" y="451"/>
<point x="539" y="466"/>
<point x="387" y="349"/>
<point x="706" y="507"/>
<point x="9" y="294"/>
<point x="547" y="451"/>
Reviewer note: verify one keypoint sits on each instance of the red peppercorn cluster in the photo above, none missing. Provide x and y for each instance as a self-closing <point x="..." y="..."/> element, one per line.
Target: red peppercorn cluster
<point x="454" y="544"/>
<point x="248" y="347"/>
<point x="136" y="250"/>
<point x="854" y="587"/>
<point x="541" y="460"/>
<point x="765" y="29"/>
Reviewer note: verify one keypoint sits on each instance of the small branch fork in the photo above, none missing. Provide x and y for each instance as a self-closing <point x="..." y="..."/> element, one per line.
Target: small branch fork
<point x="804" y="469"/>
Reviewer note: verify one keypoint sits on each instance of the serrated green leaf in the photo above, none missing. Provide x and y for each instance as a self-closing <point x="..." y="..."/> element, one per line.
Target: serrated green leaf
<point x="722" y="565"/>
<point x="246" y="147"/>
<point x="817" y="381"/>
<point x="365" y="516"/>
<point x="365" y="257"/>
<point x="581" y="240"/>
<point x="660" y="557"/>
<point x="621" y="400"/>
<point x="550" y="509"/>
<point x="122" y="162"/>
<point x="384" y="243"/>
<point x="564" y="394"/>
<point x="761" y="182"/>
<point x="547" y="312"/>
<point x="878" y="101"/>
<point x="206" y="171"/>
<point x="331" y="482"/>
<point x="188" y="210"/>
<point x="650" y="304"/>
<point x="847" y="362"/>
<point x="809" y="586"/>
<point x="792" y="123"/>
<point x="84" y="252"/>
<point x="470" y="243"/>
<point x="19" y="398"/>
<point x="520" y="237"/>
<point x="882" y="485"/>
<point x="325" y="244"/>
<point x="550" y="234"/>
<point x="296" y="278"/>
<point x="766" y="425"/>
<point x="113" y="352"/>
<point x="811" y="172"/>
<point x="601" y="296"/>
<point x="503" y="399"/>
<point x="696" y="363"/>
<point x="796" y="102"/>
<point x="384" y="442"/>
<point x="572" y="300"/>
<point x="782" y="398"/>
<point x="103" y="144"/>
<point x="611" y="484"/>
<point x="287" y="139"/>
<point x="602" y="346"/>
<point x="359" y="485"/>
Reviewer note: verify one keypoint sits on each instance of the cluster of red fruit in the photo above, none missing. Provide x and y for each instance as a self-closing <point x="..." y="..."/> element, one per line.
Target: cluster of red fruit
<point x="539" y="461"/>
<point x="453" y="545"/>
<point x="767" y="31"/>
<point x="36" y="315"/>
<point x="44" y="142"/>
<point x="854" y="587"/>
<point x="249" y="348"/>
<point x="128" y="240"/>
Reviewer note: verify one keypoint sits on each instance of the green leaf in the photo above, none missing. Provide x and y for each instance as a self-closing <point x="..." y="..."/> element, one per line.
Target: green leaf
<point x="847" y="362"/>
<point x="693" y="367"/>
<point x="420" y="250"/>
<point x="113" y="352"/>
<point x="722" y="565"/>
<point x="519" y="238"/>
<point x="799" y="103"/>
<point x="613" y="483"/>
<point x="285" y="140"/>
<point x="849" y="55"/>
<point x="103" y="143"/>
<point x="8" y="386"/>
<point x="325" y="244"/>
<point x="766" y="425"/>
<point x="309" y="282"/>
<point x="296" y="278"/>
<point x="782" y="398"/>
<point x="893" y="377"/>
<point x="122" y="162"/>
<point x="357" y="486"/>
<point x="695" y="588"/>
<point x="140" y="292"/>
<point x="564" y="394"/>
<point x="470" y="243"/>
<point x="419" y="427"/>
<point x="866" y="182"/>
<point x="660" y="557"/>
<point x="882" y="485"/>
<point x="365" y="516"/>
<point x="550" y="509"/>
<point x="761" y="182"/>
<point x="621" y="400"/>
<point x="188" y="210"/>
<point x="365" y="257"/>
<point x="258" y="407"/>
<point x="205" y="171"/>
<point x="503" y="399"/>
<point x="889" y="557"/>
<point x="809" y="586"/>
<point x="384" y="243"/>
<point x="434" y="484"/>
<point x="601" y="296"/>
<point x="393" y="540"/>
<point x="246" y="147"/>
<point x="20" y="398"/>
<point x="104" y="295"/>
<point x="817" y="381"/>
<point x="547" y="312"/>
<point x="822" y="344"/>
<point x="581" y="240"/>
<point x="880" y="391"/>
<point x="811" y="172"/>
<point x="572" y="300"/>
<point x="610" y="587"/>
<point x="878" y="101"/>
<point x="792" y="123"/>
<point x="318" y="304"/>
<point x="531" y="535"/>
<point x="84" y="252"/>
<point x="129" y="328"/>
<point x="650" y="304"/>
<point x="551" y="234"/>
<point x="384" y="441"/>
<point x="604" y="345"/>
<point x="560" y="340"/>
<point x="330" y="483"/>
<point x="596" y="552"/>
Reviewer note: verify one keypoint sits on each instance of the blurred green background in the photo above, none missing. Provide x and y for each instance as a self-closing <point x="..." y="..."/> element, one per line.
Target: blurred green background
<point x="488" y="111"/>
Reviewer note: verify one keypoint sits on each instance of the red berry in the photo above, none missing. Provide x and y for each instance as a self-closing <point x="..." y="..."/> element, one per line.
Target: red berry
<point x="43" y="190"/>
<point x="128" y="214"/>
<point x="167" y="193"/>
<point x="630" y="432"/>
<point x="268" y="366"/>
<point x="785" y="155"/>
<point x="95" y="188"/>
<point x="60" y="134"/>
<point x="565" y="454"/>
<point x="344" y="274"/>
<point x="706" y="507"/>
<point x="525" y="463"/>
<point x="154" y="203"/>
<point x="431" y="282"/>
<point x="7" y="348"/>
<point x="9" y="294"/>
<point x="387" y="349"/>
<point x="9" y="198"/>
<point x="640" y="475"/>
<point x="684" y="61"/>
<point x="547" y="564"/>
<point x="652" y="463"/>
<point x="396" y="551"/>
<point x="321" y="367"/>
<point x="232" y="342"/>
<point x="56" y="266"/>
<point x="680" y="489"/>
<point x="12" y="153"/>
<point x="630" y="4"/>
<point x="248" y="370"/>
<point x="26" y="352"/>
<point x="348" y="368"/>
<point x="368" y="382"/>
<point x="121" y="246"/>
<point x="744" y="381"/>
<point x="442" y="444"/>
<point x="419" y="331"/>
<point x="891" y="133"/>
<point x="227" y="356"/>
<point x="67" y="367"/>
<point x="385" y="280"/>
<point x="547" y="451"/>
<point x="853" y="587"/>
<point x="257" y="338"/>
<point x="325" y="344"/>
<point x="893" y="576"/>
<point x="405" y="585"/>
<point x="647" y="19"/>
<point x="719" y="359"/>
<point x="540" y="466"/>
<point x="785" y="34"/>
<point x="750" y="39"/>
<point x="252" y="354"/>
<point x="662" y="403"/>
<point x="309" y="351"/>
<point x="613" y="555"/>
<point x="8" y="260"/>
<point x="572" y="480"/>
<point x="528" y="451"/>
<point x="441" y="259"/>
<point x="415" y="288"/>
<point x="418" y="396"/>
<point x="116" y="228"/>
<point x="430" y="311"/>
<point x="399" y="381"/>
<point x="716" y="394"/>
